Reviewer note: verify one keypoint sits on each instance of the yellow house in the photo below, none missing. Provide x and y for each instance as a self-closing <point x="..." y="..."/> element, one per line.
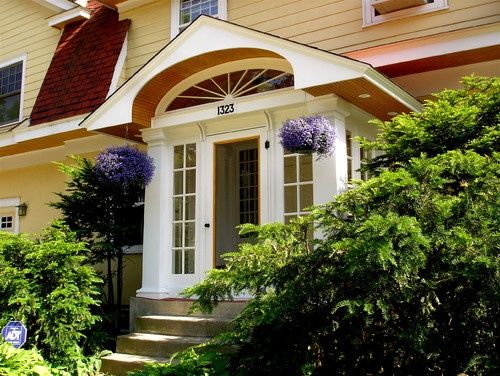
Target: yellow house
<point x="204" y="86"/>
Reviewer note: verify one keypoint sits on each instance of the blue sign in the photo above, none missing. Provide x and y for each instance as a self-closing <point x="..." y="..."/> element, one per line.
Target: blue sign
<point x="15" y="333"/>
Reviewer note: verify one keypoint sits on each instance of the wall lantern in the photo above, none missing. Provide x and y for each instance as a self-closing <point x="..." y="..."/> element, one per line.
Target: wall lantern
<point x="21" y="209"/>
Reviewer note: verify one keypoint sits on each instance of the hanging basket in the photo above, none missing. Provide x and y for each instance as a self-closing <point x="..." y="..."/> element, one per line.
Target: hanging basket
<point x="308" y="135"/>
<point x="124" y="165"/>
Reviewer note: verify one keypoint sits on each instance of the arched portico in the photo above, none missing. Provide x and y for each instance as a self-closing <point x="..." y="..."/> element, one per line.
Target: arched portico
<point x="209" y="106"/>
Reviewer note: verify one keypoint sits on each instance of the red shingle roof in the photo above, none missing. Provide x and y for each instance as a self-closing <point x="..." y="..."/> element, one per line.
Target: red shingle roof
<point x="82" y="67"/>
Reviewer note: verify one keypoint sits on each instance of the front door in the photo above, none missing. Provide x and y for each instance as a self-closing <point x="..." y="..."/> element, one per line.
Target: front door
<point x="236" y="192"/>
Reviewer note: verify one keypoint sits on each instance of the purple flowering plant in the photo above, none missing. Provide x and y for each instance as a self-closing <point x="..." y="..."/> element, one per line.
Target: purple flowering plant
<point x="308" y="134"/>
<point x="124" y="165"/>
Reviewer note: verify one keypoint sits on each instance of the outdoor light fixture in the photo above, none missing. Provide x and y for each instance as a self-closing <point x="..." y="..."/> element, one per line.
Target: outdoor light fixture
<point x="364" y="96"/>
<point x="21" y="209"/>
<point x="392" y="113"/>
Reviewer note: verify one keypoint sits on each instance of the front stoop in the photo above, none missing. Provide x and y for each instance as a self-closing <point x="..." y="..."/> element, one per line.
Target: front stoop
<point x="161" y="328"/>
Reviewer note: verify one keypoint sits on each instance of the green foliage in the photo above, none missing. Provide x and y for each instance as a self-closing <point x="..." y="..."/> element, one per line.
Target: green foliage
<point x="192" y="362"/>
<point x="103" y="215"/>
<point x="45" y="284"/>
<point x="19" y="362"/>
<point x="405" y="278"/>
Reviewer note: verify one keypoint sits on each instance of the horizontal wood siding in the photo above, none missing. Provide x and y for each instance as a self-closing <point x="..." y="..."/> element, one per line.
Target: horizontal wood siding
<point x="24" y="30"/>
<point x="149" y="32"/>
<point x="337" y="25"/>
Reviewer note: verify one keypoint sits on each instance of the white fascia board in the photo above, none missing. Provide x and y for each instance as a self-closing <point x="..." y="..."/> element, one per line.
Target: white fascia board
<point x="61" y="19"/>
<point x="39" y="131"/>
<point x="435" y="45"/>
<point x="395" y="91"/>
<point x="56" y="5"/>
<point x="120" y="64"/>
<point x="132" y="4"/>
<point x="311" y="67"/>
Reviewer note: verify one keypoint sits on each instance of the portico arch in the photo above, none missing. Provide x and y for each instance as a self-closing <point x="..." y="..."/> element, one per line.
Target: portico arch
<point x="149" y="97"/>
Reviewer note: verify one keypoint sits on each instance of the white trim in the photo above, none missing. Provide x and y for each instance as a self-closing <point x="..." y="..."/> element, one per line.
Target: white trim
<point x="175" y="13"/>
<point x="251" y="103"/>
<point x="132" y="4"/>
<point x="59" y="153"/>
<point x="434" y="45"/>
<point x="42" y="130"/>
<point x="120" y="64"/>
<point x="56" y="5"/>
<point x="23" y="58"/>
<point x="60" y="20"/>
<point x="369" y="17"/>
<point x="12" y="202"/>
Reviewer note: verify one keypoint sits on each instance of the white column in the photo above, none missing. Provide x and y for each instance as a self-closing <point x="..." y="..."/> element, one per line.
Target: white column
<point x="330" y="173"/>
<point x="340" y="153"/>
<point x="156" y="258"/>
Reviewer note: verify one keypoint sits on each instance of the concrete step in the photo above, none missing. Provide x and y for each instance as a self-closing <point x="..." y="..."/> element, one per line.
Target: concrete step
<point x="183" y="325"/>
<point x="119" y="364"/>
<point x="179" y="307"/>
<point x="157" y="345"/>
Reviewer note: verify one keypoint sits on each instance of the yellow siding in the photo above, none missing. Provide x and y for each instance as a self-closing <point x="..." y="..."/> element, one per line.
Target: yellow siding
<point x="337" y="25"/>
<point x="149" y="31"/>
<point x="35" y="186"/>
<point x="24" y="30"/>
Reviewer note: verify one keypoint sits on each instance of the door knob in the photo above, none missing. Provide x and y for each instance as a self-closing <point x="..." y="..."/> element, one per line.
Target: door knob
<point x="207" y="225"/>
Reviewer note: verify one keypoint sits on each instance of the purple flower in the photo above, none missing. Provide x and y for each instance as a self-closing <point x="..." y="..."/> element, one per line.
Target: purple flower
<point x="308" y="134"/>
<point x="124" y="165"/>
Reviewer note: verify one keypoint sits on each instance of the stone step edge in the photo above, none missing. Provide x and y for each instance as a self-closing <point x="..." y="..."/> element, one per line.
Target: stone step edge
<point x="136" y="359"/>
<point x="184" y="318"/>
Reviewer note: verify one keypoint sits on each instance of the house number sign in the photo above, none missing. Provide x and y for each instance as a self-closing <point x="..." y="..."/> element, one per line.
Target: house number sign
<point x="226" y="109"/>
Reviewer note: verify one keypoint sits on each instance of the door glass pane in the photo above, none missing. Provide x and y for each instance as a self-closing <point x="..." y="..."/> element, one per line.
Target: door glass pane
<point x="305" y="169"/>
<point x="190" y="181"/>
<point x="290" y="169"/>
<point x="178" y="156"/>
<point x="189" y="234"/>
<point x="190" y="155"/>
<point x="190" y="207"/>
<point x="291" y="199"/>
<point x="306" y="196"/>
<point x="177" y="261"/>
<point x="177" y="208"/>
<point x="177" y="235"/>
<point x="189" y="261"/>
<point x="178" y="177"/>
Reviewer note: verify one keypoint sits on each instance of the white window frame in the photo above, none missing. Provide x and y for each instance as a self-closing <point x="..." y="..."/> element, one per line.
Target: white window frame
<point x="5" y="63"/>
<point x="175" y="12"/>
<point x="369" y="17"/>
<point x="12" y="202"/>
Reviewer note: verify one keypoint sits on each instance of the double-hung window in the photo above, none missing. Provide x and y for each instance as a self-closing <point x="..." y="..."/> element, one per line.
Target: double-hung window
<point x="377" y="11"/>
<point x="186" y="11"/>
<point x="11" y="83"/>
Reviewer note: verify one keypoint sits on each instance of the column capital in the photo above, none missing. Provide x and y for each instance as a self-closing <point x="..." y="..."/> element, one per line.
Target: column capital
<point x="154" y="136"/>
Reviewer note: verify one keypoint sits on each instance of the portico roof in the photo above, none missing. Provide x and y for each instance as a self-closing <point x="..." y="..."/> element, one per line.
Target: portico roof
<point x="209" y="42"/>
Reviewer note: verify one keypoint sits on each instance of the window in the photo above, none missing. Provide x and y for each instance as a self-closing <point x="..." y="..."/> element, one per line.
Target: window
<point x="9" y="218"/>
<point x="377" y="11"/>
<point x="11" y="82"/>
<point x="365" y="156"/>
<point x="232" y="85"/>
<point x="298" y="179"/>
<point x="348" y="146"/>
<point x="184" y="206"/>
<point x="6" y="223"/>
<point x="186" y="11"/>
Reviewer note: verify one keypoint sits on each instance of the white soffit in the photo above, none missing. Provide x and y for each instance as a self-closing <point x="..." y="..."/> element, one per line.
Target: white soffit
<point x="311" y="67"/>
<point x="435" y="45"/>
